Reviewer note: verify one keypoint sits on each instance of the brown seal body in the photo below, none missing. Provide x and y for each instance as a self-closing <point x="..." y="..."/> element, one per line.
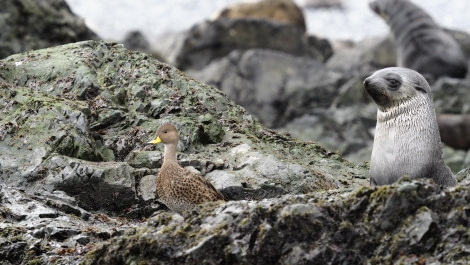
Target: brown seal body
<point x="285" y="11"/>
<point x="421" y="44"/>
<point x="407" y="140"/>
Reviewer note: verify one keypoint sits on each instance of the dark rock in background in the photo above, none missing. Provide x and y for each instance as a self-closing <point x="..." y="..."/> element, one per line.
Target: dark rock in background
<point x="29" y="25"/>
<point x="210" y="40"/>
<point x="455" y="130"/>
<point x="272" y="85"/>
<point x="135" y="40"/>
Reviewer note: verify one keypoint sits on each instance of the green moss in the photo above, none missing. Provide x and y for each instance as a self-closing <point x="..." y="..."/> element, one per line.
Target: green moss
<point x="13" y="233"/>
<point x="37" y="261"/>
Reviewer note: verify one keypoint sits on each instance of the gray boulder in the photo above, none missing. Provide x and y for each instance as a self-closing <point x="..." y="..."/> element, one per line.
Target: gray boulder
<point x="209" y="40"/>
<point x="28" y="25"/>
<point x="274" y="86"/>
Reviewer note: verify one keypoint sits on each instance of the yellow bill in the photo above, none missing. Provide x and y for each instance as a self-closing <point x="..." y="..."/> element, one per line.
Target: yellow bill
<point x="156" y="141"/>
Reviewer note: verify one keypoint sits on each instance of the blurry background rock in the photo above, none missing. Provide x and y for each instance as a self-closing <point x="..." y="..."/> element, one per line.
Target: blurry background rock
<point x="209" y="40"/>
<point x="320" y="3"/>
<point x="29" y="25"/>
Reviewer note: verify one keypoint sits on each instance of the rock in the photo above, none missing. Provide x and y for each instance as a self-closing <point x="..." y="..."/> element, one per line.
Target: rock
<point x="29" y="25"/>
<point x="316" y="4"/>
<point x="347" y="130"/>
<point x="463" y="176"/>
<point x="135" y="40"/>
<point x="274" y="86"/>
<point x="285" y="11"/>
<point x="363" y="57"/>
<point x="210" y="40"/>
<point x="95" y="186"/>
<point x="76" y="120"/>
<point x="454" y="130"/>
<point x="456" y="159"/>
<point x="372" y="225"/>
<point x="94" y="149"/>
<point x="451" y="95"/>
<point x="48" y="234"/>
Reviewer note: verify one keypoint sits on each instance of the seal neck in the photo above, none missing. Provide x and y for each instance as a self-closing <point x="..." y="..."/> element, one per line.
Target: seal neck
<point x="413" y="106"/>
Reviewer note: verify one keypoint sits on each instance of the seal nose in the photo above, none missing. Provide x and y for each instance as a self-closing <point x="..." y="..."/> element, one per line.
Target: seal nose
<point x="366" y="82"/>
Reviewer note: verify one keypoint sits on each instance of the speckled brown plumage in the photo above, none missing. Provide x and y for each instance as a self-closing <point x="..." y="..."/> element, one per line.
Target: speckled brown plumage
<point x="178" y="188"/>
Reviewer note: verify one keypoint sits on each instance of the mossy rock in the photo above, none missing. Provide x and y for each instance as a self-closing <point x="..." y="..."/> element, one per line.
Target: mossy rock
<point x="98" y="101"/>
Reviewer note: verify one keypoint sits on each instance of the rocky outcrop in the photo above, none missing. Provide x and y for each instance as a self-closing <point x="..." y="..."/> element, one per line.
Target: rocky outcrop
<point x="28" y="25"/>
<point x="210" y="40"/>
<point x="76" y="120"/>
<point x="408" y="223"/>
<point x="103" y="103"/>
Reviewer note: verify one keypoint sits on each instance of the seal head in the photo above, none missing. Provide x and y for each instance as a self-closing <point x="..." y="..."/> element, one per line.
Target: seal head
<point x="407" y="140"/>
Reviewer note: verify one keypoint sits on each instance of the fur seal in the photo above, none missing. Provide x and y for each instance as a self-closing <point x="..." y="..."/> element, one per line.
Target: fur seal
<point x="407" y="140"/>
<point x="285" y="11"/>
<point x="421" y="44"/>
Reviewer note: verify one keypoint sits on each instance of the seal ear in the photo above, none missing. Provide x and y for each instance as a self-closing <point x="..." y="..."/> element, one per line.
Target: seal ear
<point x="420" y="88"/>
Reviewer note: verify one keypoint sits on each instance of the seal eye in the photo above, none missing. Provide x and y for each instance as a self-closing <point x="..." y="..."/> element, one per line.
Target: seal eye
<point x="393" y="84"/>
<point x="393" y="81"/>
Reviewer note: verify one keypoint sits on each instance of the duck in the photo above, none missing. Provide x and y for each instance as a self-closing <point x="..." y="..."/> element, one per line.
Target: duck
<point x="178" y="188"/>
